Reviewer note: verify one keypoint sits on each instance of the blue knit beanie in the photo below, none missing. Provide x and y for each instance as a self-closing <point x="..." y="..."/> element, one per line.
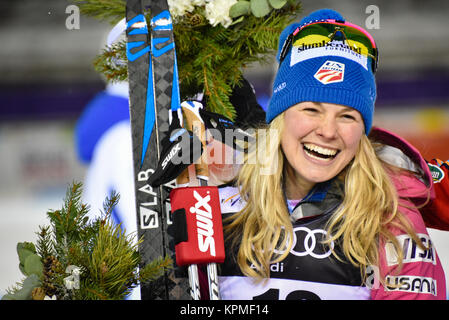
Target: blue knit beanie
<point x="316" y="75"/>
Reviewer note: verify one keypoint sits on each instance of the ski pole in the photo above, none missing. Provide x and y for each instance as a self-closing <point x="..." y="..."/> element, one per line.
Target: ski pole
<point x="183" y="180"/>
<point x="194" y="123"/>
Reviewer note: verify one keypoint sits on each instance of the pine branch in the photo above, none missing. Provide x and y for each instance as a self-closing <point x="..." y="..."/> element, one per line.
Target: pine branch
<point x="155" y="269"/>
<point x="68" y="222"/>
<point x="107" y="257"/>
<point x="112" y="62"/>
<point x="44" y="244"/>
<point x="110" y="203"/>
<point x="113" y="259"/>
<point x="111" y="11"/>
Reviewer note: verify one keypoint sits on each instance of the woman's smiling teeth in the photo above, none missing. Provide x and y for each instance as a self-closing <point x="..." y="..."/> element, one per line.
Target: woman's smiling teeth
<point x="318" y="152"/>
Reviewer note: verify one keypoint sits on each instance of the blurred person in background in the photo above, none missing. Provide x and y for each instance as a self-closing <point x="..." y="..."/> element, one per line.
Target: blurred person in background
<point x="103" y="142"/>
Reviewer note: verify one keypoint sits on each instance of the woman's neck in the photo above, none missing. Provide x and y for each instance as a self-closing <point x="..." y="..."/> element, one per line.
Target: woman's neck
<point x="295" y="186"/>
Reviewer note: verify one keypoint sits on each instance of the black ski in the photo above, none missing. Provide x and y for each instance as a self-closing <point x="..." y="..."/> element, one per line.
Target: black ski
<point x="154" y="94"/>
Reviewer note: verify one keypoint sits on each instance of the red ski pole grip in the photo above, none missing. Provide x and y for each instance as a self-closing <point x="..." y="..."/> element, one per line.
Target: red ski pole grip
<point x="205" y="243"/>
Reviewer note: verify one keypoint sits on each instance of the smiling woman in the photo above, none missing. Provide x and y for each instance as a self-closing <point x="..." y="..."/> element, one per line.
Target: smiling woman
<point x="333" y="217"/>
<point x="318" y="141"/>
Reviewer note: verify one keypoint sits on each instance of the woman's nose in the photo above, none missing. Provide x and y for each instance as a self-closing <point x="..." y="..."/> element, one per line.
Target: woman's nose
<point x="327" y="128"/>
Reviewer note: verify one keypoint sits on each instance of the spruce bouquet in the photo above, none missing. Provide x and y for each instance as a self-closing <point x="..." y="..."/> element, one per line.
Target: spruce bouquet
<point x="78" y="259"/>
<point x="215" y="40"/>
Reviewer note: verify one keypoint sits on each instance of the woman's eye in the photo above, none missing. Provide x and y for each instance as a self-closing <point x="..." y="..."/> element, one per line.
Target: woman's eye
<point x="312" y="110"/>
<point x="349" y="117"/>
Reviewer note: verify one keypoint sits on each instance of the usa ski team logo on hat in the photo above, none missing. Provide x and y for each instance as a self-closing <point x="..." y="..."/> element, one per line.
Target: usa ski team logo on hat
<point x="330" y="72"/>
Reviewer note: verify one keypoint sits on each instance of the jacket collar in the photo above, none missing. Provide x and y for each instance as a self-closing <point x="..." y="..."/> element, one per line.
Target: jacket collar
<point x="323" y="198"/>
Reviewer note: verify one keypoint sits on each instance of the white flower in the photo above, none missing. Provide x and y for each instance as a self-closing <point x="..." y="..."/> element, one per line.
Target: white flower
<point x="73" y="281"/>
<point x="217" y="11"/>
<point x="53" y="297"/>
<point x="179" y="7"/>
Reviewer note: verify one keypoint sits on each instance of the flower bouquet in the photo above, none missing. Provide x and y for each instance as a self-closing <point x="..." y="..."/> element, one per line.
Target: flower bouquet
<point x="215" y="40"/>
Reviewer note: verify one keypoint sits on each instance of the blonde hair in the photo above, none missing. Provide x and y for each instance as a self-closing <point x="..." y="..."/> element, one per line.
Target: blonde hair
<point x="363" y="220"/>
<point x="264" y="221"/>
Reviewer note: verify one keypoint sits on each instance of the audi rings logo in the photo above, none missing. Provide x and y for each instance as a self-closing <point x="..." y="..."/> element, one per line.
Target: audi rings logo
<point x="312" y="244"/>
